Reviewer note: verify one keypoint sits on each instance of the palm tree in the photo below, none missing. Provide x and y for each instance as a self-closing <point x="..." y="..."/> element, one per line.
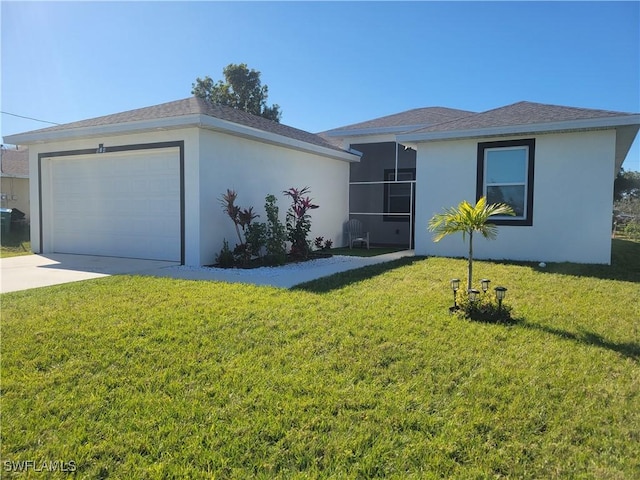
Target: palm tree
<point x="468" y="219"/>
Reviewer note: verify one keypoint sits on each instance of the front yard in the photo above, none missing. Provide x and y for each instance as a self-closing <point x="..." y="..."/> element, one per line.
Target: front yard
<point x="362" y="375"/>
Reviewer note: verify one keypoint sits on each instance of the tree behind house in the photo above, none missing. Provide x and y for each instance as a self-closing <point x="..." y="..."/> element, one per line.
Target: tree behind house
<point x="242" y="89"/>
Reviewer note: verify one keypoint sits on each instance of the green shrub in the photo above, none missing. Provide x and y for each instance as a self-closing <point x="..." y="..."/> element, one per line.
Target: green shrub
<point x="321" y="244"/>
<point x="275" y="234"/>
<point x="632" y="230"/>
<point x="225" y="258"/>
<point x="484" y="309"/>
<point x="256" y="236"/>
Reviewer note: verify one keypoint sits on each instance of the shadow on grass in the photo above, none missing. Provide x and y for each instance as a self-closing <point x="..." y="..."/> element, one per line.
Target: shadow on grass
<point x="627" y="349"/>
<point x="625" y="264"/>
<point x="341" y="280"/>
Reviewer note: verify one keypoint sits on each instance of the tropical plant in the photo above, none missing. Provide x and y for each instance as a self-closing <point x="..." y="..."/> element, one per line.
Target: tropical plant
<point x="275" y="234"/>
<point x="241" y="218"/>
<point x="321" y="244"/>
<point x="299" y="221"/>
<point x="467" y="219"/>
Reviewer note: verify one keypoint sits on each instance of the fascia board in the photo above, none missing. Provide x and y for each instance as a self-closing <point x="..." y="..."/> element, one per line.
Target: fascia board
<point x="357" y="132"/>
<point x="244" y="131"/>
<point x="369" y="139"/>
<point x="184" y="121"/>
<point x="104" y="130"/>
<point x="574" y="125"/>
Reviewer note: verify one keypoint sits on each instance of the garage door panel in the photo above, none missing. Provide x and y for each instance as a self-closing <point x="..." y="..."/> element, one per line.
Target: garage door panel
<point x="118" y="204"/>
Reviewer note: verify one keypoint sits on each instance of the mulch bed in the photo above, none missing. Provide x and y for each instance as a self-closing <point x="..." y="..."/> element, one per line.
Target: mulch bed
<point x="258" y="262"/>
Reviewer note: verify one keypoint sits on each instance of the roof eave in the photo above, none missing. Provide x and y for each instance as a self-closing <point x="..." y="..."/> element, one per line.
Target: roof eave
<point x="357" y="132"/>
<point x="31" y="138"/>
<point x="549" y="127"/>
<point x="183" y="121"/>
<point x="217" y="124"/>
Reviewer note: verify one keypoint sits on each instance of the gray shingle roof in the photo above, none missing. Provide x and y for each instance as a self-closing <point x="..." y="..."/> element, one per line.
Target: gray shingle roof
<point x="521" y="113"/>
<point x="411" y="118"/>
<point x="194" y="106"/>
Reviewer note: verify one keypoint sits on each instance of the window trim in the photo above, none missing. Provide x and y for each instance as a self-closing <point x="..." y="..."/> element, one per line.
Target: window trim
<point x="387" y="192"/>
<point x="530" y="143"/>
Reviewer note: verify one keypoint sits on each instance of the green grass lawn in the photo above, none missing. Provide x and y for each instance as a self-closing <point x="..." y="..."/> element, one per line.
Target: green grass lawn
<point x="362" y="375"/>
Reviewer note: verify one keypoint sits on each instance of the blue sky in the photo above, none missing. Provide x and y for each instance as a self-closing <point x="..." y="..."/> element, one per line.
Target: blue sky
<point x="327" y="64"/>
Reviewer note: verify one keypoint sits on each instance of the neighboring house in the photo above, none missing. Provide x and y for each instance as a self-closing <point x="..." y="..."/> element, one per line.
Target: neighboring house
<point x="146" y="183"/>
<point x="14" y="178"/>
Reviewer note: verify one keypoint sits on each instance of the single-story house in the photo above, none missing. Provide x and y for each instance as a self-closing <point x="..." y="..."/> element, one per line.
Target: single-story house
<point x="554" y="165"/>
<point x="14" y="179"/>
<point x="147" y="183"/>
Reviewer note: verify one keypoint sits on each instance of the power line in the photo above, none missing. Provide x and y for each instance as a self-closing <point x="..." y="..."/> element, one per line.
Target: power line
<point x="29" y="118"/>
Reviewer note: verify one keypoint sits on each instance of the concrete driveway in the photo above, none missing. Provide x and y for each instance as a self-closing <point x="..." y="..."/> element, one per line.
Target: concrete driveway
<point x="33" y="271"/>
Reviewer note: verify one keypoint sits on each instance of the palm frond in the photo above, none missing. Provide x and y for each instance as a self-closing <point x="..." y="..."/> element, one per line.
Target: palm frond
<point x="467" y="218"/>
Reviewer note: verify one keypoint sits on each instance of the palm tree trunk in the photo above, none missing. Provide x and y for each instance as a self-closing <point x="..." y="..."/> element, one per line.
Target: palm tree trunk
<point x="470" y="272"/>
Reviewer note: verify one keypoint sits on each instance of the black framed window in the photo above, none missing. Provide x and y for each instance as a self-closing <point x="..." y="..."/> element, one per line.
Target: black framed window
<point x="397" y="196"/>
<point x="505" y="175"/>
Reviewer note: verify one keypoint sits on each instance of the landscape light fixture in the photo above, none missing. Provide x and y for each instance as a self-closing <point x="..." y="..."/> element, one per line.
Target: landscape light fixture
<point x="455" y="285"/>
<point x="473" y="294"/>
<point x="485" y="284"/>
<point x="500" y="294"/>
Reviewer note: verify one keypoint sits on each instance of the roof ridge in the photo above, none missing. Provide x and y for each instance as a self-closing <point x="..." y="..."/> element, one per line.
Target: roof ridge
<point x="407" y="120"/>
<point x="195" y="106"/>
<point x="521" y="114"/>
<point x="445" y="122"/>
<point x="554" y="105"/>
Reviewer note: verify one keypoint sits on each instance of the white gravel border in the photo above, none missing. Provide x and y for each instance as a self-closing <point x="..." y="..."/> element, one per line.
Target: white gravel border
<point x="272" y="271"/>
<point x="285" y="276"/>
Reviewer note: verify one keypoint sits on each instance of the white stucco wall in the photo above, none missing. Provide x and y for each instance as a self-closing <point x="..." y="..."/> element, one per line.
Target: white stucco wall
<point x="191" y="156"/>
<point x="572" y="204"/>
<point x="254" y="170"/>
<point x="213" y="162"/>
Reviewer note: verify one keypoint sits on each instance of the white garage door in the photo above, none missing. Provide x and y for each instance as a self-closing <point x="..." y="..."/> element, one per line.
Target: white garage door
<point x="117" y="204"/>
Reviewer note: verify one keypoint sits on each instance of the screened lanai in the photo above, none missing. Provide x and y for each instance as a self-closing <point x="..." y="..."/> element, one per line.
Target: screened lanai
<point x="382" y="192"/>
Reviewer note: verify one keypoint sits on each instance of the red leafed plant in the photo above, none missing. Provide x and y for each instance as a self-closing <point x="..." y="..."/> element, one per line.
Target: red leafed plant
<point x="299" y="221"/>
<point x="241" y="218"/>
